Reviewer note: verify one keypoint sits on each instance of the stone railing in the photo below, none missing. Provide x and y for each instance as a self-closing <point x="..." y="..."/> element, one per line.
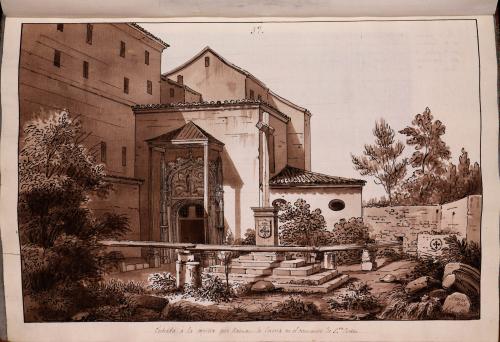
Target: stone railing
<point x="188" y="266"/>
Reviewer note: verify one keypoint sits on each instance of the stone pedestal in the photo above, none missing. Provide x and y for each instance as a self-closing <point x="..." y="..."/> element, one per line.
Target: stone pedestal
<point x="266" y="226"/>
<point x="330" y="261"/>
<point x="193" y="274"/>
<point x="368" y="262"/>
<point x="180" y="267"/>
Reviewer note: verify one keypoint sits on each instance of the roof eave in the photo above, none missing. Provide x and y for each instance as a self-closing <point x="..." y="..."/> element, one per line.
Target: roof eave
<point x="281" y="186"/>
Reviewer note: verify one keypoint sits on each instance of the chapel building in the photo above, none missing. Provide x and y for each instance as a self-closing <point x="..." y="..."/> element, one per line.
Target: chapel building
<point x="190" y="151"/>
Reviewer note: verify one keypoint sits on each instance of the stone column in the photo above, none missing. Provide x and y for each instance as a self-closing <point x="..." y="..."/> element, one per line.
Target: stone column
<point x="193" y="274"/>
<point x="266" y="226"/>
<point x="180" y="267"/>
<point x="330" y="261"/>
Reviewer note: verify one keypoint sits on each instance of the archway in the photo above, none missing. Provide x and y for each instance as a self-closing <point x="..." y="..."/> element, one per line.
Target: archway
<point x="191" y="223"/>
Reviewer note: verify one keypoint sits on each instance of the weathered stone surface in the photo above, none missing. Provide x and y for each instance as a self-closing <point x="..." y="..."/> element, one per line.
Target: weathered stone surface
<point x="262" y="286"/>
<point x="420" y="284"/>
<point x="367" y="266"/>
<point x="438" y="293"/>
<point x="147" y="302"/>
<point x="462" y="277"/>
<point x="457" y="304"/>
<point x="389" y="278"/>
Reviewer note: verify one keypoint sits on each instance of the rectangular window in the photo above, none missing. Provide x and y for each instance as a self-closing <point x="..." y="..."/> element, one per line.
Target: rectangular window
<point x="90" y="29"/>
<point x="85" y="69"/>
<point x="60" y="27"/>
<point x="252" y="95"/>
<point x="124" y="156"/>
<point x="125" y="85"/>
<point x="103" y="152"/>
<point x="149" y="87"/>
<point x="272" y="163"/>
<point x="207" y="62"/>
<point x="172" y="92"/>
<point x="146" y="57"/>
<point x="259" y="97"/>
<point x="57" y="58"/>
<point x="122" y="49"/>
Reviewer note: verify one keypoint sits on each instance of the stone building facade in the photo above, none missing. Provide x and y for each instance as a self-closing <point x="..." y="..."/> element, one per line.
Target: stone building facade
<point x="189" y="152"/>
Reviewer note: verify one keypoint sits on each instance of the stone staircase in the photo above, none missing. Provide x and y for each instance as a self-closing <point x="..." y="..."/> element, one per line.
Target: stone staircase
<point x="289" y="275"/>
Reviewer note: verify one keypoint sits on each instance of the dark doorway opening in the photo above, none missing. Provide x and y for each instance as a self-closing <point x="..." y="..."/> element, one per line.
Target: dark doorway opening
<point x="192" y="224"/>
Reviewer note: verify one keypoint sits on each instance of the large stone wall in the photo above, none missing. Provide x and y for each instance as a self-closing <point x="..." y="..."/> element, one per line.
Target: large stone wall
<point x="402" y="223"/>
<point x="405" y="223"/>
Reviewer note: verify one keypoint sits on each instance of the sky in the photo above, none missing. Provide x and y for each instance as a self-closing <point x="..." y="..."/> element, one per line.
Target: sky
<point x="350" y="74"/>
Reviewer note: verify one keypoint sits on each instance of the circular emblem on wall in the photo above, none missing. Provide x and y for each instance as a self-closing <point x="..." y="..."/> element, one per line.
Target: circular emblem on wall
<point x="436" y="244"/>
<point x="264" y="229"/>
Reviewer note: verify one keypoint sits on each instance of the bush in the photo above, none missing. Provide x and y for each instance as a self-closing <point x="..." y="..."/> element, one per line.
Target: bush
<point x="356" y="297"/>
<point x="347" y="232"/>
<point x="296" y="308"/>
<point x="402" y="306"/>
<point x="249" y="238"/>
<point x="212" y="288"/>
<point x="460" y="250"/>
<point x="428" y="266"/>
<point x="391" y="254"/>
<point x="162" y="282"/>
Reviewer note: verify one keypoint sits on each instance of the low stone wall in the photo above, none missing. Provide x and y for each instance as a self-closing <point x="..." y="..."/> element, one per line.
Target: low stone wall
<point x="405" y="223"/>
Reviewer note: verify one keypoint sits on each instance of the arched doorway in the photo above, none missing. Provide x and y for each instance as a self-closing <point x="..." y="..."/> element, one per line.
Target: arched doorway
<point x="191" y="223"/>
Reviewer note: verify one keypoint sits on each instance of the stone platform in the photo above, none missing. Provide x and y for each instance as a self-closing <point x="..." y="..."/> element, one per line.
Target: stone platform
<point x="290" y="275"/>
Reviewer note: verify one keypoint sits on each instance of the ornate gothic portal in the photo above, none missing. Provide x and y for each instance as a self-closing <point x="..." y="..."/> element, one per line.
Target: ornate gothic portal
<point x="186" y="214"/>
<point x="186" y="202"/>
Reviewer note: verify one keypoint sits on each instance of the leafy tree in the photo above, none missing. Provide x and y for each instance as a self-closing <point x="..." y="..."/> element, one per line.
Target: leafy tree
<point x="382" y="160"/>
<point x="460" y="180"/>
<point x="301" y="226"/>
<point x="59" y="233"/>
<point x="428" y="159"/>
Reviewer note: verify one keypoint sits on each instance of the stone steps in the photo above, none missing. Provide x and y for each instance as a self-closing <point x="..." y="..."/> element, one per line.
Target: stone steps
<point x="256" y="270"/>
<point x="322" y="288"/>
<point x="254" y="263"/>
<point x="132" y="264"/>
<point x="314" y="279"/>
<point x="297" y="271"/>
<point x="262" y="256"/>
<point x="293" y="263"/>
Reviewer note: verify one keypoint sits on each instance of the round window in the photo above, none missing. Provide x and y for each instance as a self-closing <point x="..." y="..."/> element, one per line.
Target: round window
<point x="336" y="205"/>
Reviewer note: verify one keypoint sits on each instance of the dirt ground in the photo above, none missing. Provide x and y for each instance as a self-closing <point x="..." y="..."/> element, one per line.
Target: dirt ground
<point x="256" y="302"/>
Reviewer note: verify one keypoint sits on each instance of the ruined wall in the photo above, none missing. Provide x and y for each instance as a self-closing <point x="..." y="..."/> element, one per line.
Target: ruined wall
<point x="402" y="223"/>
<point x="463" y="216"/>
<point x="405" y="223"/>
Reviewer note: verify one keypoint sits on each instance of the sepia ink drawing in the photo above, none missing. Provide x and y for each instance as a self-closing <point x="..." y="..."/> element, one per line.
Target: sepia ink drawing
<point x="190" y="195"/>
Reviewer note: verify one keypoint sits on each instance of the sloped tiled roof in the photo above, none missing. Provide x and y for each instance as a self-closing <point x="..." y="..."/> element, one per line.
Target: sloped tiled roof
<point x="292" y="176"/>
<point x="149" y="34"/>
<point x="154" y="106"/>
<point x="188" y="132"/>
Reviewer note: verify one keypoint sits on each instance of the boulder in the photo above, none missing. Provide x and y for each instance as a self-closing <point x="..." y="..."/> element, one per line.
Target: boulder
<point x="262" y="286"/>
<point x="462" y="277"/>
<point x="420" y="284"/>
<point x="438" y="293"/>
<point x="80" y="316"/>
<point x="457" y="304"/>
<point x="389" y="278"/>
<point x="147" y="302"/>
